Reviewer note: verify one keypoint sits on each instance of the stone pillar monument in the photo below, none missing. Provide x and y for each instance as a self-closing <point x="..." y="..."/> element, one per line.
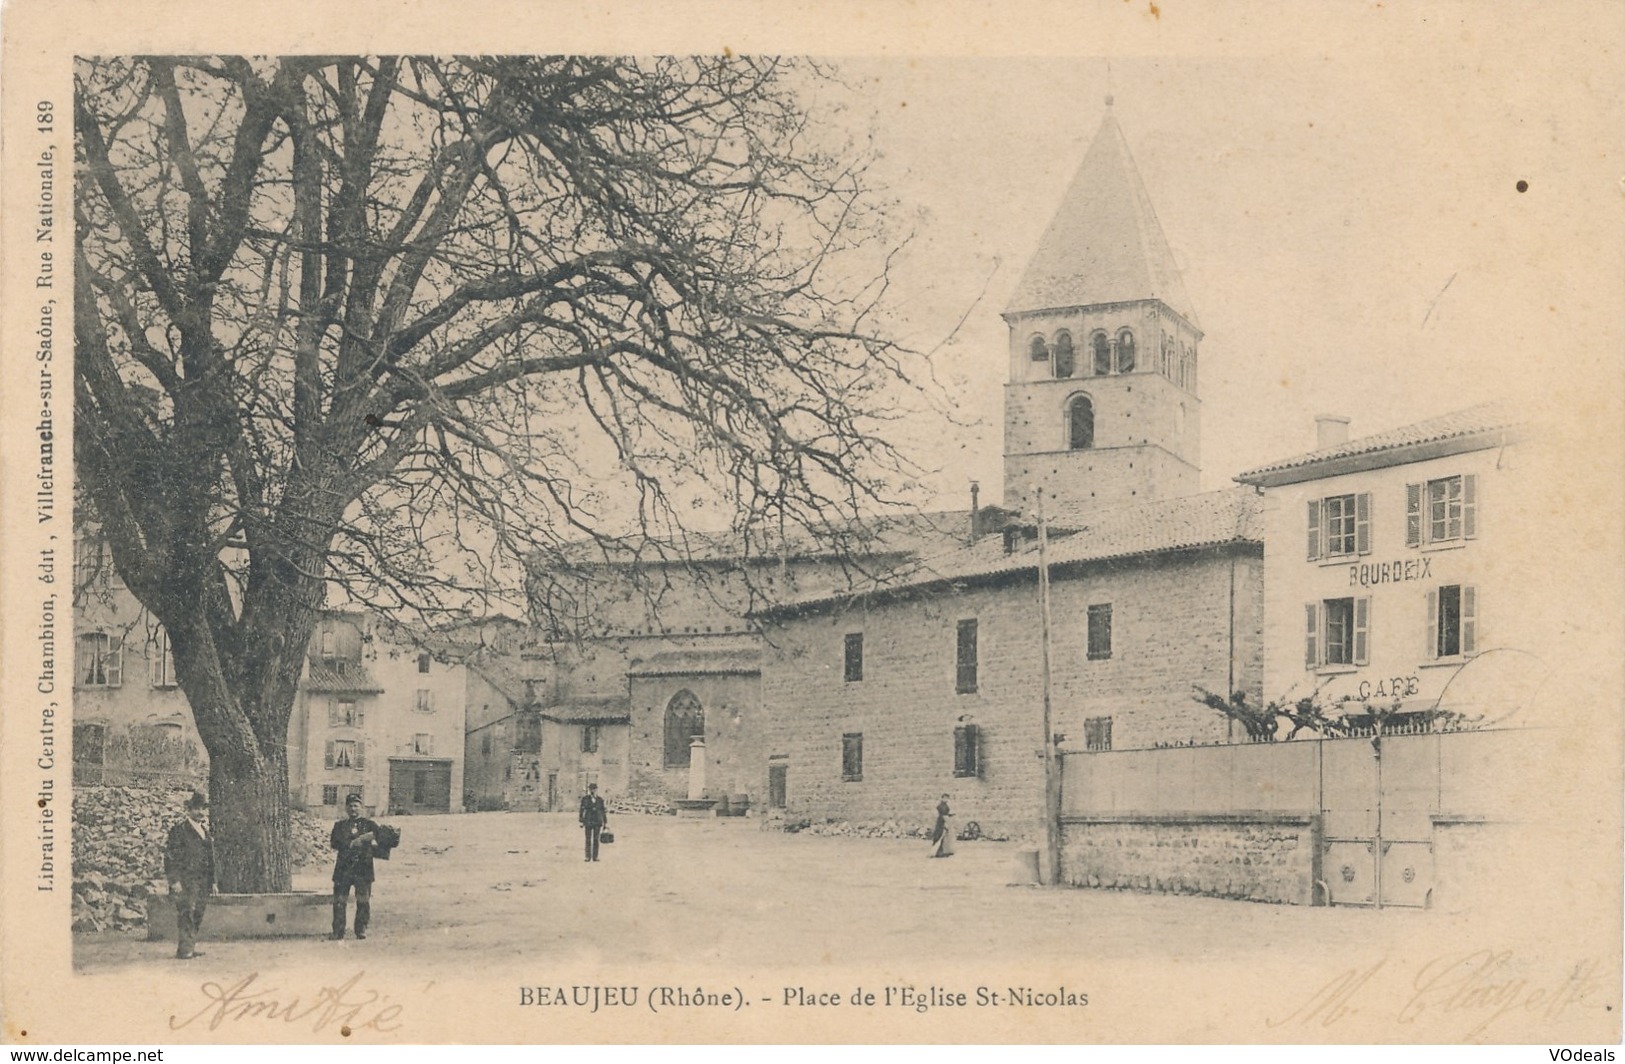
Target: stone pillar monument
<point x="696" y="768"/>
<point x="696" y="804"/>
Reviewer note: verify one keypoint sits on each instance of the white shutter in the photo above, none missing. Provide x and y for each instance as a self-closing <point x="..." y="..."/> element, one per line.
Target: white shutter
<point x="1314" y="529"/>
<point x="115" y="661"/>
<point x="1469" y="620"/>
<point x="1311" y="652"/>
<point x="1362" y="523"/>
<point x="1362" y="627"/>
<point x="1469" y="506"/>
<point x="330" y="753"/>
<point x="1413" y="515"/>
<point x="1432" y="632"/>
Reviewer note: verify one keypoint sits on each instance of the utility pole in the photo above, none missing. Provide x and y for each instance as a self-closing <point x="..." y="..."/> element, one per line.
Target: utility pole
<point x="1052" y="779"/>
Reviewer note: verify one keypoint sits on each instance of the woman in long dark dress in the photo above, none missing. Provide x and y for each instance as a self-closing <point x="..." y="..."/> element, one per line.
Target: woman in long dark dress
<point x="942" y="836"/>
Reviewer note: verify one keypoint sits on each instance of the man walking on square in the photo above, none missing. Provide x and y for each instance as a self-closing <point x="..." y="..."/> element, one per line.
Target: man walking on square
<point x="594" y="816"/>
<point x="355" y="838"/>
<point x="189" y="867"/>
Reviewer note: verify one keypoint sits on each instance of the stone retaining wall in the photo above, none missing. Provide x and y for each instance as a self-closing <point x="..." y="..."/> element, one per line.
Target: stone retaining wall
<point x="1268" y="857"/>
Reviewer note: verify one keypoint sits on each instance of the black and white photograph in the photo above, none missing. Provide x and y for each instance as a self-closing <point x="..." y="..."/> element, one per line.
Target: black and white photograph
<point x="1091" y="524"/>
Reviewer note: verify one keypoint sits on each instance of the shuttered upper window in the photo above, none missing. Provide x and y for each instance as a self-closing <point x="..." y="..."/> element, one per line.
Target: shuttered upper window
<point x="1441" y="511"/>
<point x="1339" y="526"/>
<point x="965" y="658"/>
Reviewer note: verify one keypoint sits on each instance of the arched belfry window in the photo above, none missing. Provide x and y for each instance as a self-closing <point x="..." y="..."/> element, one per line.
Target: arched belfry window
<point x="1037" y="349"/>
<point x="685" y="722"/>
<point x="1065" y="362"/>
<point x="1080" y="424"/>
<point x="1125" y="352"/>
<point x="1101" y="349"/>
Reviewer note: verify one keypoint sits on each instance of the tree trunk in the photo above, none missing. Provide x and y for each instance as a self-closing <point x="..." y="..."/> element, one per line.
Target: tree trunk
<point x="252" y="823"/>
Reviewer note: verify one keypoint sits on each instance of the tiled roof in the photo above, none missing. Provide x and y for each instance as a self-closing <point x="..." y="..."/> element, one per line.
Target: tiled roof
<point x="1211" y="519"/>
<point x="1473" y="428"/>
<point x="611" y="709"/>
<point x="1104" y="244"/>
<point x="340" y="676"/>
<point x="739" y="661"/>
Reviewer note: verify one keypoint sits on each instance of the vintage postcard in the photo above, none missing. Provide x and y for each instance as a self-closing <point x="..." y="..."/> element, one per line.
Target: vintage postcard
<point x="780" y="523"/>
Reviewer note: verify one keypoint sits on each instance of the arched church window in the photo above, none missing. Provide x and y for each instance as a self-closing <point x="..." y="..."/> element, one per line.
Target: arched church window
<point x="1101" y="348"/>
<point x="1037" y="349"/>
<point x="1065" y="363"/>
<point x="1125" y="352"/>
<point x="1080" y="424"/>
<point x="685" y="722"/>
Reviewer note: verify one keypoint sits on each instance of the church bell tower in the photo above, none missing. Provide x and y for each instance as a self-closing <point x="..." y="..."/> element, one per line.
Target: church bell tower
<point x="1101" y="406"/>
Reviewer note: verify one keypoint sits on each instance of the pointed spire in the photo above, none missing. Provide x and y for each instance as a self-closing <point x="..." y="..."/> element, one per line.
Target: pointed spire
<point x="1104" y="244"/>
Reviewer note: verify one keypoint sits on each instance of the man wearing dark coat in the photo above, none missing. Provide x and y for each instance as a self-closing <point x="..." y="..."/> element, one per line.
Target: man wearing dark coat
<point x="189" y="868"/>
<point x="594" y="816"/>
<point x="355" y="838"/>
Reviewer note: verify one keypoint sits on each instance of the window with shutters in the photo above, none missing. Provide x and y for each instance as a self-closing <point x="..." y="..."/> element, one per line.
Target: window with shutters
<point x="854" y="657"/>
<point x="423" y="744"/>
<point x="589" y="738"/>
<point x="967" y="751"/>
<point x="852" y="757"/>
<point x="424" y="702"/>
<point x="1452" y="621"/>
<point x="344" y="753"/>
<point x="1337" y="633"/>
<point x="965" y="658"/>
<point x="1442" y="511"/>
<point x="1097" y="733"/>
<point x="1100" y="631"/>
<point x="1339" y="526"/>
<point x="162" y="660"/>
<point x="101" y="660"/>
<point x="342" y="713"/>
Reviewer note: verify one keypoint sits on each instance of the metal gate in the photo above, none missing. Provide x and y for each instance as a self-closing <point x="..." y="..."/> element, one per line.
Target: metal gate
<point x="1378" y="797"/>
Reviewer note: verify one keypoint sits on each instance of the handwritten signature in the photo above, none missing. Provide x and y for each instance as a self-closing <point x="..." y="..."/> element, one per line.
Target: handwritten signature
<point x="1479" y="986"/>
<point x="346" y="1004"/>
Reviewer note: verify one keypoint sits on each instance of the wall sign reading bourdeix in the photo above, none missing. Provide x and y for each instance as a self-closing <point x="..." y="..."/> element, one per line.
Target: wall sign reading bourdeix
<point x="1370" y="574"/>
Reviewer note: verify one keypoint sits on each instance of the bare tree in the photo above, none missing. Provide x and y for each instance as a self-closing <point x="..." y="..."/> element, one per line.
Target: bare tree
<point x="386" y="325"/>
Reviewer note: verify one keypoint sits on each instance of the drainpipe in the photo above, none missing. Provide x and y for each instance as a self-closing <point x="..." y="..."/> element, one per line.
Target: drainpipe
<point x="1052" y="782"/>
<point x="1230" y="677"/>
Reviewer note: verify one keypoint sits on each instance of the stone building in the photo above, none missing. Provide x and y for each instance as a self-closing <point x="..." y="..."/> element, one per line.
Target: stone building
<point x="1398" y="579"/>
<point x="379" y="709"/>
<point x="643" y="645"/>
<point x="131" y="723"/>
<point x="878" y="703"/>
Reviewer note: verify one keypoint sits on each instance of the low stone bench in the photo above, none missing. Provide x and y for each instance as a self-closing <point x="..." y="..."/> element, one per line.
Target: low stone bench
<point x="234" y="916"/>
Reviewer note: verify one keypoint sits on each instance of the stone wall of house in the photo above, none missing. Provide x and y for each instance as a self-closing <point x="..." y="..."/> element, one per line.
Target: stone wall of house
<point x="1177" y="620"/>
<point x="1254" y="857"/>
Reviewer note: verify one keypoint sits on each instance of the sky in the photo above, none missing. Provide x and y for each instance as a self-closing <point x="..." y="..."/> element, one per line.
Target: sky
<point x="1352" y="234"/>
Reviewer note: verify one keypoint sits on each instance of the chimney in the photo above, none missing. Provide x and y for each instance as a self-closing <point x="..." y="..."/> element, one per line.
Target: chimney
<point x="1330" y="431"/>
<point x="975" y="511"/>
